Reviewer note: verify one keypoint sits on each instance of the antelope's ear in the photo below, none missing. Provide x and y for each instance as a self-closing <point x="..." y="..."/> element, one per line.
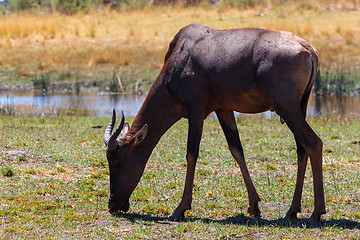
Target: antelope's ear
<point x="125" y="130"/>
<point x="140" y="136"/>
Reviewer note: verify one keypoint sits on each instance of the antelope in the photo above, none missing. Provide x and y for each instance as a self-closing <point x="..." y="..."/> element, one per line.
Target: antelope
<point x="249" y="70"/>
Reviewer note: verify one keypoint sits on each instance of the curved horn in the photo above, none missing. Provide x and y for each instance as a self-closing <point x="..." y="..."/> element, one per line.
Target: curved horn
<point x="111" y="141"/>
<point x="109" y="128"/>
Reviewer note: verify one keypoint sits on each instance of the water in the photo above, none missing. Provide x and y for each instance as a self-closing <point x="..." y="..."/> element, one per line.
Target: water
<point x="101" y="104"/>
<point x="88" y="104"/>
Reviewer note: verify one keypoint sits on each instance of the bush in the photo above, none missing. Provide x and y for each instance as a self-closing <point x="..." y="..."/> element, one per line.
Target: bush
<point x="73" y="6"/>
<point x="63" y="6"/>
<point x="20" y="5"/>
<point x="243" y="3"/>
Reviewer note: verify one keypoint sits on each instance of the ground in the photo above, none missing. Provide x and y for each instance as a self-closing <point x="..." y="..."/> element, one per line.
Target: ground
<point x="58" y="187"/>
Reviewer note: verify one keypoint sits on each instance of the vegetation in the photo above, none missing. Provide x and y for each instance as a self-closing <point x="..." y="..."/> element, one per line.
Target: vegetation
<point x="123" y="50"/>
<point x="59" y="186"/>
<point x="54" y="180"/>
<point x="75" y="6"/>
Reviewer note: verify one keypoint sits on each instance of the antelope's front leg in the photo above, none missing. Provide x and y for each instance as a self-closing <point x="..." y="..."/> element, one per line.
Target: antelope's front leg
<point x="196" y="118"/>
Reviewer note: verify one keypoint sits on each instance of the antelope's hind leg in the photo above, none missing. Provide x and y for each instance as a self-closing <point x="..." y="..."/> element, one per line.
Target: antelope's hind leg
<point x="228" y="124"/>
<point x="302" y="158"/>
<point x="309" y="144"/>
<point x="296" y="202"/>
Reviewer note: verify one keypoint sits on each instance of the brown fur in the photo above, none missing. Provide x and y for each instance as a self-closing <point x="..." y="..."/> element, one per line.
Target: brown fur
<point x="205" y="70"/>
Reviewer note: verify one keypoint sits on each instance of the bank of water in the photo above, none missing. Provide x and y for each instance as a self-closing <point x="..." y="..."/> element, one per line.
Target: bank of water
<point x="101" y="104"/>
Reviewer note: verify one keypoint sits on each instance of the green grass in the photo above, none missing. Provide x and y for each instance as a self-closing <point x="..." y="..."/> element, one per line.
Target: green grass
<point x="60" y="189"/>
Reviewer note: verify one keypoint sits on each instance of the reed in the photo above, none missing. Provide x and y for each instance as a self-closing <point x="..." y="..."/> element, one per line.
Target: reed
<point x="339" y="82"/>
<point x="6" y="109"/>
<point x="41" y="83"/>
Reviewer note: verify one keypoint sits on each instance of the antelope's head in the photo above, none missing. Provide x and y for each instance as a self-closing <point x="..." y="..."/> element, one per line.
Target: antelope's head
<point x="125" y="167"/>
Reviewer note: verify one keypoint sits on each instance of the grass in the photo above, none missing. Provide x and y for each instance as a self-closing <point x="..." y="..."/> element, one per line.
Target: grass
<point x="60" y="188"/>
<point x="90" y="48"/>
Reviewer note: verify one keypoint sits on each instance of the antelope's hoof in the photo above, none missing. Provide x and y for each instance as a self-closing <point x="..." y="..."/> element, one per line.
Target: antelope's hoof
<point x="254" y="212"/>
<point x="179" y="214"/>
<point x="291" y="215"/>
<point x="315" y="217"/>
<point x="175" y="218"/>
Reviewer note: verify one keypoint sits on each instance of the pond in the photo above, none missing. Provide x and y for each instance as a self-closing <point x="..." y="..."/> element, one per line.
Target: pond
<point x="101" y="104"/>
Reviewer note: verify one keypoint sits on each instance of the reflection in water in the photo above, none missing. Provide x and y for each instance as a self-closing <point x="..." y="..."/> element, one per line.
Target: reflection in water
<point x="101" y="104"/>
<point x="348" y="106"/>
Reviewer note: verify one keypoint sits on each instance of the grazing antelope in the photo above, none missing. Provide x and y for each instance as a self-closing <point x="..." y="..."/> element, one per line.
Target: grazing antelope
<point x="248" y="70"/>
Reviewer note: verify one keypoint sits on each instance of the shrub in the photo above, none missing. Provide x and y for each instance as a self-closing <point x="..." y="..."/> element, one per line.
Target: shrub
<point x="73" y="6"/>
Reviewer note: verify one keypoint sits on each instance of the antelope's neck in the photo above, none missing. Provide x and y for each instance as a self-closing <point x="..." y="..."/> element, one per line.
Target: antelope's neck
<point x="159" y="111"/>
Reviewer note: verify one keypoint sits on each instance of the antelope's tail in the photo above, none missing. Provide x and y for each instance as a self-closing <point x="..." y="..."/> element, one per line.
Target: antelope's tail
<point x="314" y="71"/>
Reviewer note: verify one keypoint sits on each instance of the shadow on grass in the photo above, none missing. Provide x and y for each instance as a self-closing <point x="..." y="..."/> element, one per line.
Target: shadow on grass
<point x="241" y="219"/>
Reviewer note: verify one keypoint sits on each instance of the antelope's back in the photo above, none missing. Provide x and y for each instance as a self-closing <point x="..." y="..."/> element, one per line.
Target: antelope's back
<point x="237" y="65"/>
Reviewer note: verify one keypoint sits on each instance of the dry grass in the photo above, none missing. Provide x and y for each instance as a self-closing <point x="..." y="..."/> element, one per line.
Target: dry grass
<point x="106" y="40"/>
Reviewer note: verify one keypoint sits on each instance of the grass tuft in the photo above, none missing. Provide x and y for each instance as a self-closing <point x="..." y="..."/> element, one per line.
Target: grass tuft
<point x="7" y="172"/>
